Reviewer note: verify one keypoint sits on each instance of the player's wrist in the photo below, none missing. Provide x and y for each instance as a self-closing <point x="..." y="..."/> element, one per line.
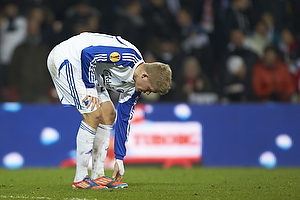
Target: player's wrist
<point x="119" y="157"/>
<point x="121" y="166"/>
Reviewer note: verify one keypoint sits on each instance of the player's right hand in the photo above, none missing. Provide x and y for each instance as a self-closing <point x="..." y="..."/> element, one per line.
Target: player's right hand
<point x="118" y="170"/>
<point x="92" y="101"/>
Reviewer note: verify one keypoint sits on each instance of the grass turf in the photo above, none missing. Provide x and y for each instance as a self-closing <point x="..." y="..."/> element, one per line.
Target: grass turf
<point x="152" y="182"/>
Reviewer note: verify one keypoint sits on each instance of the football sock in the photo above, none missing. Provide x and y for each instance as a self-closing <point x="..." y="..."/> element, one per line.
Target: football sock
<point x="100" y="148"/>
<point x="85" y="138"/>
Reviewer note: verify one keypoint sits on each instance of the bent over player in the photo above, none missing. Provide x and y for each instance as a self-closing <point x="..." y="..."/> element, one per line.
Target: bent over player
<point x="83" y="68"/>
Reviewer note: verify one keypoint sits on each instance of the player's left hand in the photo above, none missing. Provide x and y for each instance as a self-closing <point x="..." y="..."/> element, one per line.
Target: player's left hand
<point x="118" y="170"/>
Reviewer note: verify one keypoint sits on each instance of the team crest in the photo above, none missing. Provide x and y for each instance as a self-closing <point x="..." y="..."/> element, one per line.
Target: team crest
<point x="114" y="57"/>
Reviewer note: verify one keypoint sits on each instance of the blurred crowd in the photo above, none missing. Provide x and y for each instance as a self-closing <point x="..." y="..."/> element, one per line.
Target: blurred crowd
<point x="219" y="50"/>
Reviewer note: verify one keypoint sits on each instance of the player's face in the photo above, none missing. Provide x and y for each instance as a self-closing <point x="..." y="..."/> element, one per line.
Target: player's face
<point x="142" y="84"/>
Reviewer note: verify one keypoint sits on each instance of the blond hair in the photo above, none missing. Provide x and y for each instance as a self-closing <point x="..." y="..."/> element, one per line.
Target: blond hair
<point x="160" y="76"/>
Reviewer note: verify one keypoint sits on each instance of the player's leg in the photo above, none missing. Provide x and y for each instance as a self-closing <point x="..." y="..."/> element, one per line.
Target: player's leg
<point x="101" y="143"/>
<point x="103" y="133"/>
<point x="102" y="139"/>
<point x="68" y="87"/>
<point x="86" y="138"/>
<point x="84" y="142"/>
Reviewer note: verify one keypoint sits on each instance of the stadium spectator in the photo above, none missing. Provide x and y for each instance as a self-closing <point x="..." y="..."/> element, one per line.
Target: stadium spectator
<point x="170" y="23"/>
<point x="161" y="23"/>
<point x="236" y="16"/>
<point x="289" y="47"/>
<point x="237" y="47"/>
<point x="130" y="23"/>
<point x="280" y="9"/>
<point x="28" y="74"/>
<point x="271" y="78"/>
<point x="204" y="12"/>
<point x="209" y="14"/>
<point x="272" y="33"/>
<point x="235" y="88"/>
<point x="228" y="14"/>
<point x="195" y="41"/>
<point x="49" y="15"/>
<point x="12" y="33"/>
<point x="207" y="18"/>
<point x="50" y="29"/>
<point x="294" y="69"/>
<point x="290" y="52"/>
<point x="81" y="17"/>
<point x="193" y="80"/>
<point x="258" y="40"/>
<point x="192" y="34"/>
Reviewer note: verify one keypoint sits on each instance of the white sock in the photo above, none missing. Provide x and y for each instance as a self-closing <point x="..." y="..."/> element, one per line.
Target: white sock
<point x="85" y="139"/>
<point x="100" y="148"/>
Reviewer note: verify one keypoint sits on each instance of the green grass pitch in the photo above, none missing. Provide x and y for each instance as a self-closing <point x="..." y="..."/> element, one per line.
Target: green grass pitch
<point x="153" y="182"/>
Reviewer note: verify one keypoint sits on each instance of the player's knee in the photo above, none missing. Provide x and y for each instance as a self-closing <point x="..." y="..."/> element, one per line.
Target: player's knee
<point x="108" y="113"/>
<point x="94" y="118"/>
<point x="110" y="117"/>
<point x="98" y="117"/>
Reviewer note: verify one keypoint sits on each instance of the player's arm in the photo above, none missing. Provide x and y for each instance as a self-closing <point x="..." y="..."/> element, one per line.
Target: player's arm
<point x="89" y="77"/>
<point x="125" y="112"/>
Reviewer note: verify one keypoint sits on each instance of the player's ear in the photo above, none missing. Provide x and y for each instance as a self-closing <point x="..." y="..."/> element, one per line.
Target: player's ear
<point x="145" y="75"/>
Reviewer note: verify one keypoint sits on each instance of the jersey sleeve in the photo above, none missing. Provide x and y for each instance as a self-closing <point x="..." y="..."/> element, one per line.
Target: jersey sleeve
<point x="125" y="111"/>
<point x="120" y="56"/>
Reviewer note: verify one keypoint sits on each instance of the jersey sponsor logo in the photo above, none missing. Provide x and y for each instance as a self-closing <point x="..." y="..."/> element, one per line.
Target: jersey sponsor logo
<point x="114" y="57"/>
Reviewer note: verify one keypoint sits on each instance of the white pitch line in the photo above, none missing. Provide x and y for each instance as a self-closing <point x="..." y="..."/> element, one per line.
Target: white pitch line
<point x="27" y="197"/>
<point x="22" y="197"/>
<point x="75" y="198"/>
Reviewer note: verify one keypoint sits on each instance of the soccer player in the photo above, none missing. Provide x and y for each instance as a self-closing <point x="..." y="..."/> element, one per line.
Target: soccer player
<point x="83" y="68"/>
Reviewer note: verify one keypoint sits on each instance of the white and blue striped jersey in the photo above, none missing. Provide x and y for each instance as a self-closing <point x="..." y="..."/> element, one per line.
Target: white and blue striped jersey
<point x="107" y="61"/>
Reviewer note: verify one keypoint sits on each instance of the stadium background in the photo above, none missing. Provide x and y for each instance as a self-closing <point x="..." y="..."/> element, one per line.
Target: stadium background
<point x="206" y="126"/>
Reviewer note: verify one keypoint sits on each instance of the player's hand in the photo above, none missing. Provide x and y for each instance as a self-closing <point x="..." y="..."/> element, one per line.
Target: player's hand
<point x="118" y="170"/>
<point x="92" y="101"/>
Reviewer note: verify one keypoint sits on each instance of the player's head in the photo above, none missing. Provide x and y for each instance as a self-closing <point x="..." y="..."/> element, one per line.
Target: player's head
<point x="154" y="77"/>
